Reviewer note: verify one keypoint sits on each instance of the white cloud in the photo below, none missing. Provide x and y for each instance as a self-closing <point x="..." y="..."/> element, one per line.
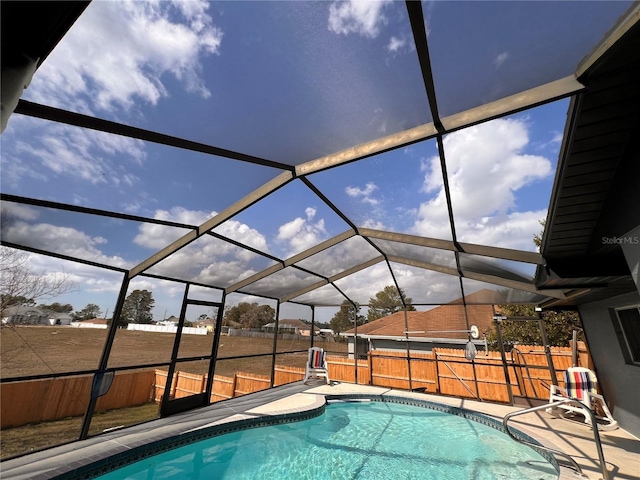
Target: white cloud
<point x="63" y="240"/>
<point x="224" y="273"/>
<point x="86" y="154"/>
<point x="557" y="137"/>
<point x="207" y="259"/>
<point x="97" y="283"/>
<point x="395" y="44"/>
<point x="514" y="230"/>
<point x="290" y="229"/>
<point x="245" y="234"/>
<point x="311" y="212"/>
<point x="553" y="144"/>
<point x="159" y="236"/>
<point x="301" y="233"/>
<point x="374" y="224"/>
<point x="146" y="41"/>
<point x="363" y="17"/>
<point x="341" y="257"/>
<point x="486" y="166"/>
<point x="363" y="285"/>
<point x="13" y="211"/>
<point x="156" y="237"/>
<point x="500" y="59"/>
<point x="364" y="193"/>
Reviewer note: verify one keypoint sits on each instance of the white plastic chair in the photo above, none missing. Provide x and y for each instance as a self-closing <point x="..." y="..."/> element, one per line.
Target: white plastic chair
<point x="581" y="384"/>
<point x="316" y="366"/>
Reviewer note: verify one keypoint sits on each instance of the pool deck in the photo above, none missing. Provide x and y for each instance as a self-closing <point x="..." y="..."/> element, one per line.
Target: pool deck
<point x="621" y="449"/>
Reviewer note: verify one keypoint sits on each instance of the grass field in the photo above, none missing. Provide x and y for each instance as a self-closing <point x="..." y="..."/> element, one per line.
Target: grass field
<point x="28" y="438"/>
<point x="35" y="350"/>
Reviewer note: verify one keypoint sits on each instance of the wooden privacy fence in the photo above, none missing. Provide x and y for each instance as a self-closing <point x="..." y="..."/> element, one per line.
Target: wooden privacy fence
<point x="446" y="371"/>
<point x="186" y="384"/>
<point x="442" y="371"/>
<point x="34" y="401"/>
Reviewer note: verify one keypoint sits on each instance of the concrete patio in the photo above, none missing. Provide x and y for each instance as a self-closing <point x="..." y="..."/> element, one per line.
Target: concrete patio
<point x="621" y="449"/>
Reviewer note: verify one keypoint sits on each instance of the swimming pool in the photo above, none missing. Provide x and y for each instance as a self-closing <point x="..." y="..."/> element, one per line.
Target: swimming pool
<point x="353" y="440"/>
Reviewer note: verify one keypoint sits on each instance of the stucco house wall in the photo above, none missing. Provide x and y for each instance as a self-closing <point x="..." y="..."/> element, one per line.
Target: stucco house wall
<point x="619" y="380"/>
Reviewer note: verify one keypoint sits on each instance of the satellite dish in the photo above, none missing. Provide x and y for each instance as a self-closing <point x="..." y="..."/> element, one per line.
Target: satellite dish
<point x="473" y="330"/>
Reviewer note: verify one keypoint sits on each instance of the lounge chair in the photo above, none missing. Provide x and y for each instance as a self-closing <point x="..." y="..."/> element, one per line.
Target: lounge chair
<point x="316" y="366"/>
<point x="581" y="384"/>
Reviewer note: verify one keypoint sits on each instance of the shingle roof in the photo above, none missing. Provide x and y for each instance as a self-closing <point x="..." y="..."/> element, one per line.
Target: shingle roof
<point x="97" y="321"/>
<point x="22" y="310"/>
<point x="288" y="322"/>
<point x="433" y="322"/>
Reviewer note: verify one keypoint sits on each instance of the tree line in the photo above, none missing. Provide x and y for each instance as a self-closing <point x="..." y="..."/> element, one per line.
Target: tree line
<point x="138" y="307"/>
<point x="90" y="311"/>
<point x="384" y="303"/>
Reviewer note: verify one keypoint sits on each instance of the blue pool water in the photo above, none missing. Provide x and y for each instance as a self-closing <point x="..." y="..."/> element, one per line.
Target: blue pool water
<point x="362" y="440"/>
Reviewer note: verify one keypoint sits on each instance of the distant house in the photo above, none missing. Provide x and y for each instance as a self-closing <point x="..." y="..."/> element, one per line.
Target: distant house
<point x="209" y="324"/>
<point x="297" y="327"/>
<point x="57" y="318"/>
<point x="444" y="327"/>
<point x="20" y="315"/>
<point x="172" y="321"/>
<point x="100" y="323"/>
<point x="167" y="323"/>
<point x="94" y="321"/>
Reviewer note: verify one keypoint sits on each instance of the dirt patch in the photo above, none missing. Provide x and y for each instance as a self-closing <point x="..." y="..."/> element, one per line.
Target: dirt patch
<point x="32" y="350"/>
<point x="30" y="438"/>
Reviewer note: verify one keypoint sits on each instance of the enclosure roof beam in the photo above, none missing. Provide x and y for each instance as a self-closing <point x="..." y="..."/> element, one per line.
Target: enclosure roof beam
<point x="364" y="150"/>
<point x="408" y="239"/>
<point x="320" y="247"/>
<point x="304" y="290"/>
<point x="213" y="222"/>
<point x="93" y="123"/>
<point x="549" y="92"/>
<point x="484" y="250"/>
<point x="424" y="265"/>
<point x="332" y="279"/>
<point x="254" y="278"/>
<point x="524" y="286"/>
<point x="291" y="261"/>
<point x="502" y="253"/>
<point x="355" y="269"/>
<point x="546" y="93"/>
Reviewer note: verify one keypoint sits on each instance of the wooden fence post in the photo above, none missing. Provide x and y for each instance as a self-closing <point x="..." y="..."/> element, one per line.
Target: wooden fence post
<point x="174" y="385"/>
<point x="235" y="382"/>
<point x="435" y="358"/>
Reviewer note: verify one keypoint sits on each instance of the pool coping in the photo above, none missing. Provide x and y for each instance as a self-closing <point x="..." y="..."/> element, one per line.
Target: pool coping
<point x="107" y="452"/>
<point x="234" y="423"/>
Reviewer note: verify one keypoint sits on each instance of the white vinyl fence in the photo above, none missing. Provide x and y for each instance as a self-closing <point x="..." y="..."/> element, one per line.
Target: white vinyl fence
<point x="166" y="329"/>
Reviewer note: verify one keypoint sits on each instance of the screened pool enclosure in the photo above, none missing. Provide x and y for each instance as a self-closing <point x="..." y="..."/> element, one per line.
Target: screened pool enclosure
<point x="294" y="154"/>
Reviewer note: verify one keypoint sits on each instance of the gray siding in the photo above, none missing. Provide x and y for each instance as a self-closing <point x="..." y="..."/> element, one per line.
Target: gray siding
<point x="620" y="382"/>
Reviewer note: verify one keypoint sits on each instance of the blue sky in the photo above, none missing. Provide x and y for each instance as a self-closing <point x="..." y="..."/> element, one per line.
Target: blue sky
<point x="289" y="82"/>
